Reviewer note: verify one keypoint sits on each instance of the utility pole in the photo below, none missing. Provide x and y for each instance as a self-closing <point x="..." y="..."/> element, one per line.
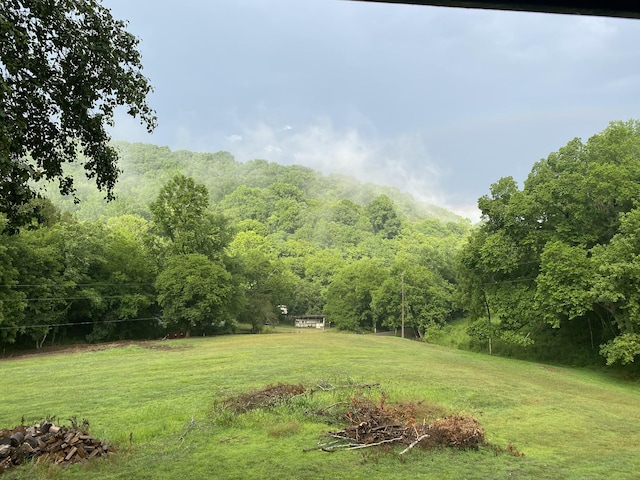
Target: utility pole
<point x="402" y="304"/>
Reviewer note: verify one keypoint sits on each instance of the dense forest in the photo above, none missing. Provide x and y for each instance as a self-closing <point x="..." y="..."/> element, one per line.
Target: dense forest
<point x="201" y="243"/>
<point x="555" y="266"/>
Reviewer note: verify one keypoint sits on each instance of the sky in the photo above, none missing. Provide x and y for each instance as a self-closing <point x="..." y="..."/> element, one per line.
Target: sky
<point x="439" y="102"/>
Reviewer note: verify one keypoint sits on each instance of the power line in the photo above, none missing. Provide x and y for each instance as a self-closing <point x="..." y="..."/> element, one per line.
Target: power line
<point x="515" y="280"/>
<point x="65" y="285"/>
<point x="44" y="299"/>
<point x="71" y="324"/>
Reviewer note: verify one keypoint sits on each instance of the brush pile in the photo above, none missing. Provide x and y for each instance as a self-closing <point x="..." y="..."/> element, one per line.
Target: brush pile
<point x="49" y="442"/>
<point x="270" y="396"/>
<point x="371" y="425"/>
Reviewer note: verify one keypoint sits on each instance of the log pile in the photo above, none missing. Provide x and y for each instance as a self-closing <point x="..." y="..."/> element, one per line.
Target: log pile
<point x="49" y="442"/>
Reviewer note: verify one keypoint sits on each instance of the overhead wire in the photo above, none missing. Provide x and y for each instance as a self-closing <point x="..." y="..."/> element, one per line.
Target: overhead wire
<point x="88" y="297"/>
<point x="66" y="285"/>
<point x="71" y="324"/>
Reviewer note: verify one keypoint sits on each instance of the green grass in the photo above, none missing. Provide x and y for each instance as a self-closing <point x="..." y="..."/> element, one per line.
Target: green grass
<point x="569" y="423"/>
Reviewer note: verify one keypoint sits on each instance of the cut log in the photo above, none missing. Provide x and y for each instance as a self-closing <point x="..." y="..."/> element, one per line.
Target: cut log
<point x="71" y="453"/>
<point x="95" y="453"/>
<point x="5" y="451"/>
<point x="17" y="439"/>
<point x="50" y="443"/>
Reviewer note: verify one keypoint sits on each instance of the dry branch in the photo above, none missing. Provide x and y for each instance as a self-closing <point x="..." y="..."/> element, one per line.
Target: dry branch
<point x="414" y="443"/>
<point x="326" y="386"/>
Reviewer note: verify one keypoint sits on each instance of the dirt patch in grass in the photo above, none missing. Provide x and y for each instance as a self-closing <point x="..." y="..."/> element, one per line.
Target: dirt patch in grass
<point x="89" y="347"/>
<point x="163" y="346"/>
<point x="284" y="429"/>
<point x="552" y="369"/>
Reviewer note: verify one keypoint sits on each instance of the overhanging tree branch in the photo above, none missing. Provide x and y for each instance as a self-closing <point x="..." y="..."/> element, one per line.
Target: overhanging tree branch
<point x="65" y="66"/>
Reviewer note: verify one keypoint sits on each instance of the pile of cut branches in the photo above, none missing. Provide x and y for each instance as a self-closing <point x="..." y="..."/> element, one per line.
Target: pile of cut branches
<point x="371" y="425"/>
<point x="270" y="396"/>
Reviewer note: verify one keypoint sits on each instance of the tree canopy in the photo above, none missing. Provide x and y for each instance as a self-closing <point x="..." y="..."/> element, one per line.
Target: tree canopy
<point x="64" y="69"/>
<point x="560" y="254"/>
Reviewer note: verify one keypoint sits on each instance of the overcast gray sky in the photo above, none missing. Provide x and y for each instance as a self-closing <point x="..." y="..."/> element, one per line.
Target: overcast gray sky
<point x="439" y="102"/>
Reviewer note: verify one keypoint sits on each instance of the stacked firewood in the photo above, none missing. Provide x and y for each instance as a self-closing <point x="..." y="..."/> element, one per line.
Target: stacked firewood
<point x="48" y="442"/>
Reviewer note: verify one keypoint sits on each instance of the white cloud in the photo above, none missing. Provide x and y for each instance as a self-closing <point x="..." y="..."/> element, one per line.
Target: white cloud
<point x="402" y="161"/>
<point x="272" y="149"/>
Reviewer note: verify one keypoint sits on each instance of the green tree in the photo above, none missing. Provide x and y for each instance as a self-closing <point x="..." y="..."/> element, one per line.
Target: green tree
<point x="383" y="216"/>
<point x="307" y="298"/>
<point x="287" y="204"/>
<point x="40" y="261"/>
<point x="350" y="295"/>
<point x="12" y="298"/>
<point x="196" y="293"/>
<point x="346" y="212"/>
<point x="428" y="298"/>
<point x="264" y="281"/>
<point x="64" y="69"/>
<point x="128" y="307"/>
<point x="247" y="203"/>
<point x="559" y="253"/>
<point x="181" y="215"/>
<point x="615" y="290"/>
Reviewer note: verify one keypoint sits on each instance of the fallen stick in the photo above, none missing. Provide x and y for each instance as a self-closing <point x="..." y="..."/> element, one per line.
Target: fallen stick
<point x="367" y="445"/>
<point x="192" y="424"/>
<point x="328" y="386"/>
<point x="321" y="447"/>
<point x="324" y="410"/>
<point x="414" y="443"/>
<point x="346" y="446"/>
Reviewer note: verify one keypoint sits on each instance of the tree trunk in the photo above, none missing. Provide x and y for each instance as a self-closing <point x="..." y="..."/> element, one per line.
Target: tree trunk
<point x="486" y="304"/>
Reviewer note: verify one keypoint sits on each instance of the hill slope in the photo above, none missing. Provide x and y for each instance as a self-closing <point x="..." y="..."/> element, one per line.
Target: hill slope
<point x="147" y="167"/>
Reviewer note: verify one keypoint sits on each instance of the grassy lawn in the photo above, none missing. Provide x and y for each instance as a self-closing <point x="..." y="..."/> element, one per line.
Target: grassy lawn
<point x="569" y="423"/>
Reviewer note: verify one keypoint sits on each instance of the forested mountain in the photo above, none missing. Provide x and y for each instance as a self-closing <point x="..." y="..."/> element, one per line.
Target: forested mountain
<point x="147" y="167"/>
<point x="199" y="243"/>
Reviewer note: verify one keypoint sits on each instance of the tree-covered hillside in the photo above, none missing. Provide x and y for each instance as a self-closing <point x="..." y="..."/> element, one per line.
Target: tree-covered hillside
<point x="145" y="168"/>
<point x="200" y="243"/>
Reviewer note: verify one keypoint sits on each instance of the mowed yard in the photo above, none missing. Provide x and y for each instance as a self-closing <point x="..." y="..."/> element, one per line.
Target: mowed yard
<point x="159" y="404"/>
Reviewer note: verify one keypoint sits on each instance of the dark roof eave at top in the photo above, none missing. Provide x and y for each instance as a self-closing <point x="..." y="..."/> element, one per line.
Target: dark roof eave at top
<point x="605" y="8"/>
